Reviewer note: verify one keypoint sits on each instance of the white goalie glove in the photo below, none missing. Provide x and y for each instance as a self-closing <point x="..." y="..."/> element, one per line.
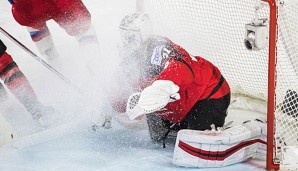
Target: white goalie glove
<point x="152" y="98"/>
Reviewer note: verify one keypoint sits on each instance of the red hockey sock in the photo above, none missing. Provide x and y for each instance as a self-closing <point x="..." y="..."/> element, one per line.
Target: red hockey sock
<point x="17" y="83"/>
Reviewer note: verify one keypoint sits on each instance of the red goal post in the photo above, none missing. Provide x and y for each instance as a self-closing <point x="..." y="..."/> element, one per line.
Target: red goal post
<point x="270" y="164"/>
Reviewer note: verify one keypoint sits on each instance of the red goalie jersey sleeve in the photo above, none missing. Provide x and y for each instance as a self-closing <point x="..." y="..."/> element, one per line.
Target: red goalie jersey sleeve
<point x="196" y="78"/>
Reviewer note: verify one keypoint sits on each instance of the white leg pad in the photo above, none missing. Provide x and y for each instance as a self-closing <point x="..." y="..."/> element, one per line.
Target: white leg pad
<point x="220" y="148"/>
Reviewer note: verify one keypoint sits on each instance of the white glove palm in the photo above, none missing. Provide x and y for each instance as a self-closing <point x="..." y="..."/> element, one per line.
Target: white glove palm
<point x="152" y="98"/>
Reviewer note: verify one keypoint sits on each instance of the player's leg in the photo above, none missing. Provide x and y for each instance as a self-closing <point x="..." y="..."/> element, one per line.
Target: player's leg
<point x="34" y="17"/>
<point x="160" y="129"/>
<point x="3" y="93"/>
<point x="157" y="127"/>
<point x="220" y="107"/>
<point x="17" y="83"/>
<point x="42" y="38"/>
<point x="75" y="19"/>
<point x="208" y="112"/>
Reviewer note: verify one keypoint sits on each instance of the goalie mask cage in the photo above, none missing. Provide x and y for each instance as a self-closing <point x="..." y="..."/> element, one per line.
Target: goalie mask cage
<point x="215" y="30"/>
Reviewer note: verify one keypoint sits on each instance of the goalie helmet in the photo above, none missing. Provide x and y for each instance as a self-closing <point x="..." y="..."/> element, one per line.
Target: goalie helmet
<point x="154" y="53"/>
<point x="135" y="28"/>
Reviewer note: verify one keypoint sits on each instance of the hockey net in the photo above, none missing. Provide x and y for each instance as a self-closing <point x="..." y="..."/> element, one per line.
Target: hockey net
<point x="216" y="31"/>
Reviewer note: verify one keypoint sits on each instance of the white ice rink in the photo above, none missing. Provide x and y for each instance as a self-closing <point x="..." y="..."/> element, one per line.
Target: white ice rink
<point x="72" y="146"/>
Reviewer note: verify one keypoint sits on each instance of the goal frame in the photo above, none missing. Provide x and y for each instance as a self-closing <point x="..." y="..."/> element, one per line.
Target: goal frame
<point x="270" y="161"/>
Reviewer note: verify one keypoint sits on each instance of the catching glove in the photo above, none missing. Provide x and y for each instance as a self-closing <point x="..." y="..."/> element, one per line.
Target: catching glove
<point x="152" y="98"/>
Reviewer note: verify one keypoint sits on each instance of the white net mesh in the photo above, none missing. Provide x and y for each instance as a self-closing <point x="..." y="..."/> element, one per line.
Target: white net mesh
<point x="286" y="112"/>
<point x="215" y="30"/>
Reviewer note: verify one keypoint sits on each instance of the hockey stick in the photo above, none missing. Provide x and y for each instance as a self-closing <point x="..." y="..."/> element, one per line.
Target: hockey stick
<point x="38" y="59"/>
<point x="47" y="134"/>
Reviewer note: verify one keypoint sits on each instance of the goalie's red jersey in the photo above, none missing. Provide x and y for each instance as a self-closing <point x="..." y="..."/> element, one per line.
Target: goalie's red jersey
<point x="196" y="78"/>
<point x="34" y="13"/>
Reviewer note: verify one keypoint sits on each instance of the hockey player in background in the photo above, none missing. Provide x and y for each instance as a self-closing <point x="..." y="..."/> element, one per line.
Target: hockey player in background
<point x="71" y="15"/>
<point x="19" y="86"/>
<point x="180" y="92"/>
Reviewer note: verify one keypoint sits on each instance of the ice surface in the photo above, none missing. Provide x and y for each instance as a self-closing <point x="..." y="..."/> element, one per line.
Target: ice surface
<point x="69" y="144"/>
